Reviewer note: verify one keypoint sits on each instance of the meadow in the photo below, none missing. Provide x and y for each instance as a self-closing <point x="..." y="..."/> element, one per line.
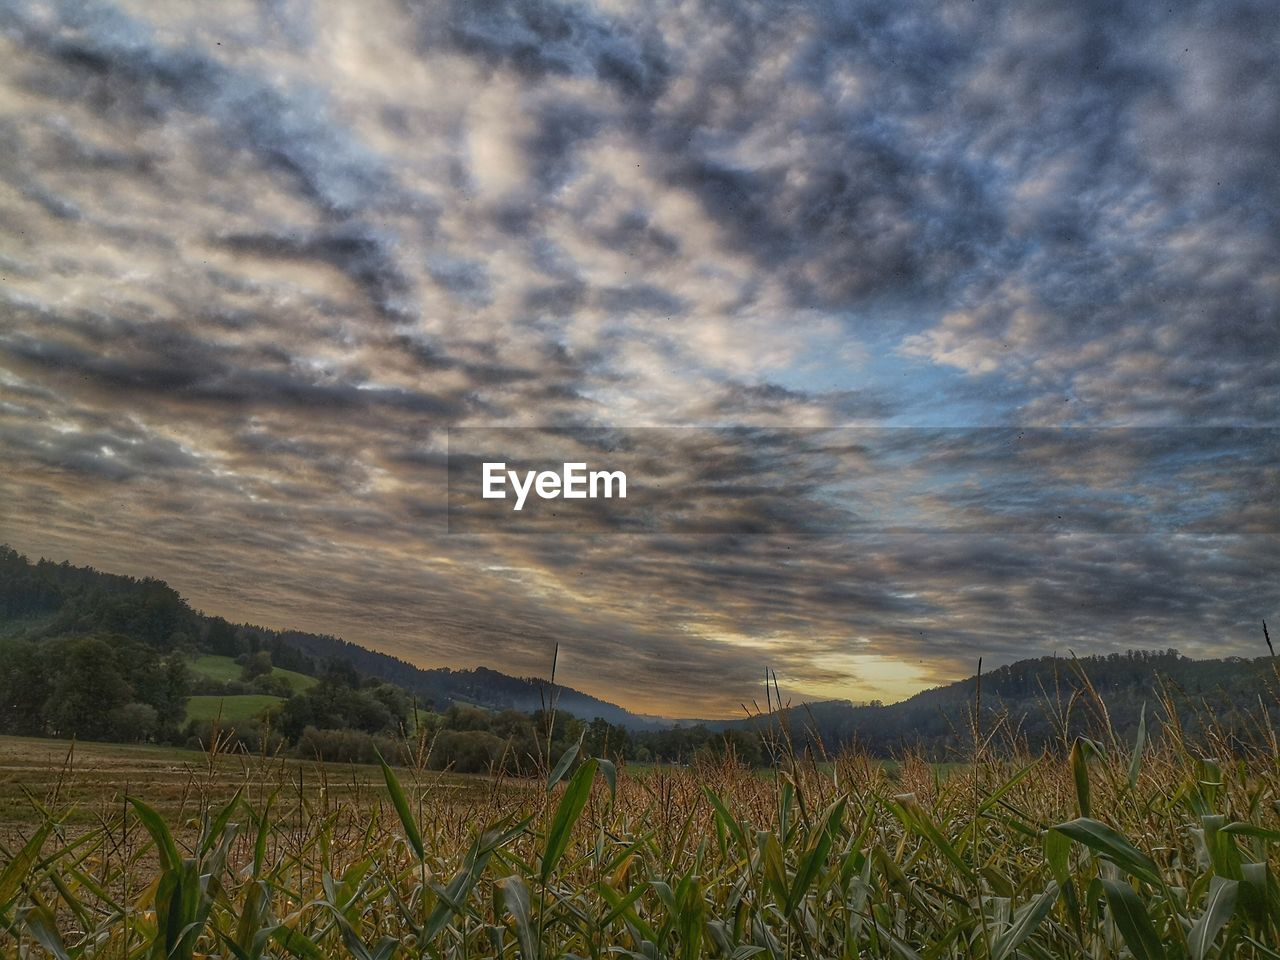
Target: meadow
<point x="1155" y="848"/>
<point x="236" y="708"/>
<point x="226" y="669"/>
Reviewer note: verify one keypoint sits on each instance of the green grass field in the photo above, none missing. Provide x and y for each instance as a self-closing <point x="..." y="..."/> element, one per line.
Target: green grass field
<point x="226" y="669"/>
<point x="232" y="709"/>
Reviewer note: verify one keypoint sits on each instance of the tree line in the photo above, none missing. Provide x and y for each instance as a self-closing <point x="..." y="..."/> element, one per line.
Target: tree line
<point x="100" y="656"/>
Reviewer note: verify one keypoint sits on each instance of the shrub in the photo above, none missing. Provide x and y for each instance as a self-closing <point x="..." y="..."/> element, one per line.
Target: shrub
<point x="349" y="746"/>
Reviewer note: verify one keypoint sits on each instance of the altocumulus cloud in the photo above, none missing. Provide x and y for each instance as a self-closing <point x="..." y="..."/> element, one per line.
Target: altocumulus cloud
<point x="257" y="259"/>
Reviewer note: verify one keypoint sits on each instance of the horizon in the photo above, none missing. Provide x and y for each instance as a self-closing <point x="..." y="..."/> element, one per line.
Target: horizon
<point x="674" y="719"/>
<point x="923" y="334"/>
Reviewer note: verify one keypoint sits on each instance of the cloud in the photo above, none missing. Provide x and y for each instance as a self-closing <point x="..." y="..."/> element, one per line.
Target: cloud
<point x="255" y="265"/>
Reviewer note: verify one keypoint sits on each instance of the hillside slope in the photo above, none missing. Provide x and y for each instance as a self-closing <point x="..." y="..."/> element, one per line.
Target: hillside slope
<point x="1046" y="700"/>
<point x="45" y="599"/>
<point x="1038" y="701"/>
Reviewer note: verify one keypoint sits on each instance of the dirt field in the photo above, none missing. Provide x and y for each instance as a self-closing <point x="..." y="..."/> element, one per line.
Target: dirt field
<point x="84" y="782"/>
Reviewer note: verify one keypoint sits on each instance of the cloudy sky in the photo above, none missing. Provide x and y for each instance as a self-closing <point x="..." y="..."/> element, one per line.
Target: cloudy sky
<point x="257" y="259"/>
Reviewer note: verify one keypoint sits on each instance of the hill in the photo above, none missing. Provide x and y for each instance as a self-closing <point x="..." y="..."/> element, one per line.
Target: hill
<point x="45" y="600"/>
<point x="444" y="687"/>
<point x="1047" y="700"/>
<point x="97" y="654"/>
<point x="226" y="670"/>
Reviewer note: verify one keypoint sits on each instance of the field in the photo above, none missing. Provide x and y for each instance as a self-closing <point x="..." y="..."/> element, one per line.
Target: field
<point x="232" y="709"/>
<point x="1111" y="849"/>
<point x="226" y="669"/>
<point x="85" y="781"/>
<point x="236" y="707"/>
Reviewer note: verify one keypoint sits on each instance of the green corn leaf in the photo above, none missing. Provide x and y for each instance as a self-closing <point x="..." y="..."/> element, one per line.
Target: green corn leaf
<point x="563" y="765"/>
<point x="899" y="948"/>
<point x="449" y="901"/>
<point x="1025" y="923"/>
<point x="1259" y="896"/>
<point x="401" y="803"/>
<point x="619" y="905"/>
<point x="43" y="928"/>
<point x="515" y="897"/>
<point x="1133" y="921"/>
<point x="1222" y="848"/>
<point x="567" y="814"/>
<point x="775" y="871"/>
<point x="260" y="842"/>
<point x="452" y="899"/>
<point x="814" y="858"/>
<point x="1057" y="852"/>
<point x="17" y="869"/>
<point x="622" y="907"/>
<point x="1250" y="830"/>
<point x="725" y="817"/>
<point x="216" y="828"/>
<point x="1218" y="908"/>
<point x="236" y="950"/>
<point x="167" y="850"/>
<point x="610" y="773"/>
<point x="1111" y="846"/>
<point x="1263" y="950"/>
<point x="358" y="948"/>
<point x="253" y="917"/>
<point x="915" y="817"/>
<point x="666" y="896"/>
<point x="690" y="918"/>
<point x="299" y="944"/>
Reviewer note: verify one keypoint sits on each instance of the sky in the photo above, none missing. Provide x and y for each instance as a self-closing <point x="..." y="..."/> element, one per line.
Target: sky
<point x="257" y="260"/>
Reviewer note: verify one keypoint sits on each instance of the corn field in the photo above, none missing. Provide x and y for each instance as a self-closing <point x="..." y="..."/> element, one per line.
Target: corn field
<point x="1105" y="849"/>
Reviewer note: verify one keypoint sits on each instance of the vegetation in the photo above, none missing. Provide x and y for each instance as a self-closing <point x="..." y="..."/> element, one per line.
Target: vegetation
<point x="98" y="687"/>
<point x="219" y="669"/>
<point x="230" y="710"/>
<point x="1104" y="848"/>
<point x="98" y="656"/>
<point x="1081" y="815"/>
<point x="44" y="600"/>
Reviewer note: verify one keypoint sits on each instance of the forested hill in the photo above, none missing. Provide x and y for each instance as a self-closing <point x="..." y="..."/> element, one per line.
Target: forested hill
<point x="444" y="686"/>
<point x="1037" y="700"/>
<point x="58" y="622"/>
<point x="46" y="600"/>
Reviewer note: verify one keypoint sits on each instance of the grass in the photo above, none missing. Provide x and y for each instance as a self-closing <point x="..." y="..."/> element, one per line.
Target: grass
<point x="1152" y="849"/>
<point x="226" y="669"/>
<point x="232" y="709"/>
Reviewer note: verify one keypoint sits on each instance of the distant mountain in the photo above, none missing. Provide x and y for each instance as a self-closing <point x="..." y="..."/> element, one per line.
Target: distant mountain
<point x="48" y="599"/>
<point x="481" y="686"/>
<point x="1047" y="700"/>
<point x="1037" y="701"/>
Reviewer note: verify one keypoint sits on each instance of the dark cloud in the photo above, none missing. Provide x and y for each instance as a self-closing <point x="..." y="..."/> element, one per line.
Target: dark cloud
<point x="542" y="37"/>
<point x="253" y="269"/>
<point x="182" y="367"/>
<point x="363" y="255"/>
<point x="742" y="399"/>
<point x="112" y="63"/>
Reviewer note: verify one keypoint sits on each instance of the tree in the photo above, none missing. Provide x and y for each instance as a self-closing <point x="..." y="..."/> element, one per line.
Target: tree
<point x="133" y="722"/>
<point x="25" y="686"/>
<point x="88" y="687"/>
<point x="604" y="739"/>
<point x="256" y="665"/>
